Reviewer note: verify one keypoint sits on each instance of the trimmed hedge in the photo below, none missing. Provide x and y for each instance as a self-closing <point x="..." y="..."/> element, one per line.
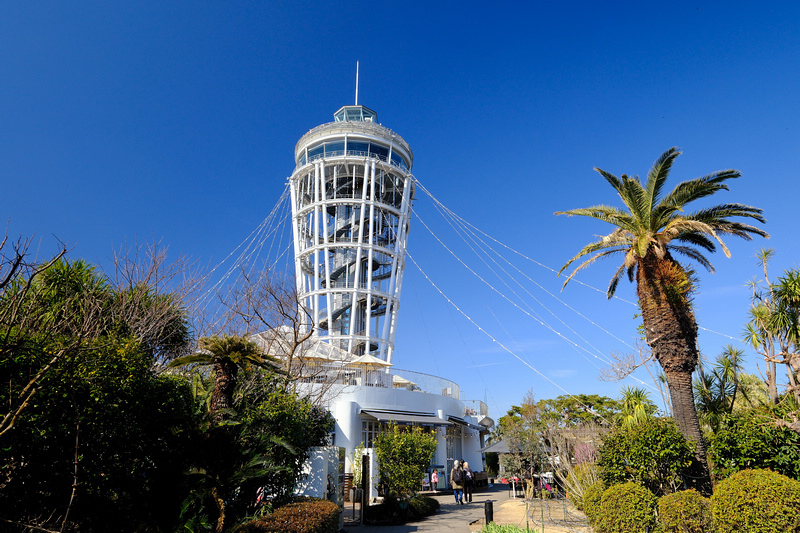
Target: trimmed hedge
<point x="686" y="511"/>
<point x="314" y="516"/>
<point x="626" y="508"/>
<point x="653" y="453"/>
<point x="756" y="501"/>
<point x="592" y="498"/>
<point x="422" y="506"/>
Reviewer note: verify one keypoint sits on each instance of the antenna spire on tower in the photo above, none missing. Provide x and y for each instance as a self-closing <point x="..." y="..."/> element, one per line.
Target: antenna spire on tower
<point x="356" y="82"/>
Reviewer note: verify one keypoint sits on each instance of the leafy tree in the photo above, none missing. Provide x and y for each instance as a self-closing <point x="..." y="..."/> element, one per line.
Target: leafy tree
<point x="570" y="410"/>
<point x="92" y="439"/>
<point x="653" y="453"/>
<point x="404" y="452"/>
<point x="523" y="429"/>
<point x="652" y="227"/>
<point x="261" y="444"/>
<point x="750" y="440"/>
<point x="285" y="426"/>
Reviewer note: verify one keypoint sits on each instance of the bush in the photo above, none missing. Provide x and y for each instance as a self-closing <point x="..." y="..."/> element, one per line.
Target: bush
<point x="314" y="516"/>
<point x="652" y="453"/>
<point x="422" y="506"/>
<point x="626" y="508"/>
<point x="751" y="440"/>
<point x="756" y="501"/>
<point x="592" y="498"/>
<point x="686" y="511"/>
<point x="403" y="455"/>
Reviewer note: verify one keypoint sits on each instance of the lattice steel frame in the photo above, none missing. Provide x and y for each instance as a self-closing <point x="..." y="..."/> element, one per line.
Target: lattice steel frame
<point x="350" y="220"/>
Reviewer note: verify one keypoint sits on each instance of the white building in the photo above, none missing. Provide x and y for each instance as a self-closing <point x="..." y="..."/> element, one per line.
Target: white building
<point x="351" y="193"/>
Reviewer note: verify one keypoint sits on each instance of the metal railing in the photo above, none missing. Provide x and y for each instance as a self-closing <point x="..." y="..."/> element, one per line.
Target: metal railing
<point x="476" y="408"/>
<point x="352" y="127"/>
<point x="344" y="373"/>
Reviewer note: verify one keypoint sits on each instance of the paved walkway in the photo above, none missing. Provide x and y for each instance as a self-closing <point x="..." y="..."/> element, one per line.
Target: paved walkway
<point x="450" y="518"/>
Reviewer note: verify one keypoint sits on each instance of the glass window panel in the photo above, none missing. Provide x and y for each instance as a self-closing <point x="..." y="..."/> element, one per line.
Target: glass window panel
<point x="335" y="148"/>
<point x="381" y="151"/>
<point x="360" y="148"/>
<point x="314" y="152"/>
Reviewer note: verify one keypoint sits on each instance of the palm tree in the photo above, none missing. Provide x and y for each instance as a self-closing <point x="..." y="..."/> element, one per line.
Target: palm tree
<point x="774" y="330"/>
<point x="647" y="232"/>
<point x="227" y="354"/>
<point x="636" y="406"/>
<point x="725" y="388"/>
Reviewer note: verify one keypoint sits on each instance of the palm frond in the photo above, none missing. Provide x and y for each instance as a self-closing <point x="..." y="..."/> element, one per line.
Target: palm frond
<point x="691" y="253"/>
<point x="615" y="239"/>
<point x="591" y="260"/>
<point x="612" y="285"/>
<point x="657" y="176"/>
<point x="612" y="215"/>
<point x="721" y="212"/>
<point x="687" y="226"/>
<point x="696" y="239"/>
<point x="199" y="358"/>
<point x="694" y="189"/>
<point x="610" y="178"/>
<point x="635" y="198"/>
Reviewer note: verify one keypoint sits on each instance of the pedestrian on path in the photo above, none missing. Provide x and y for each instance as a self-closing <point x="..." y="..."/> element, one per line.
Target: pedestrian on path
<point x="469" y="482"/>
<point x="457" y="482"/>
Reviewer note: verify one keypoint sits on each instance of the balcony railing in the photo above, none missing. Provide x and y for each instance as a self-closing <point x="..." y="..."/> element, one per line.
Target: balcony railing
<point x="476" y="408"/>
<point x="343" y="373"/>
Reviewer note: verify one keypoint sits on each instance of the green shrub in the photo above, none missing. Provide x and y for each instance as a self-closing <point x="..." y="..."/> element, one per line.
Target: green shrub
<point x="626" y="508"/>
<point x="686" y="511"/>
<point x="653" y="453"/>
<point x="314" y="516"/>
<point x="756" y="501"/>
<point x="403" y="454"/>
<point x="422" y="506"/>
<point x="750" y="440"/>
<point x="592" y="498"/>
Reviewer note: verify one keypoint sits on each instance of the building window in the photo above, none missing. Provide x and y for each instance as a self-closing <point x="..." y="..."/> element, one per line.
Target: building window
<point x="369" y="430"/>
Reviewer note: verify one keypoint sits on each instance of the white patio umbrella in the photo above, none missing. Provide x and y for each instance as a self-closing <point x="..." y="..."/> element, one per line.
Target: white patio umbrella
<point x="400" y="382"/>
<point x="370" y="361"/>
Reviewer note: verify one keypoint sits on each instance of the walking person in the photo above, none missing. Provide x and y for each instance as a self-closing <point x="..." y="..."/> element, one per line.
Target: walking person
<point x="469" y="482"/>
<point x="435" y="480"/>
<point x="457" y="482"/>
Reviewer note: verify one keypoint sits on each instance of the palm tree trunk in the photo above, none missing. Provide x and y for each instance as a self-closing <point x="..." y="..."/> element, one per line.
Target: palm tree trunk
<point x="664" y="289"/>
<point x="225" y="373"/>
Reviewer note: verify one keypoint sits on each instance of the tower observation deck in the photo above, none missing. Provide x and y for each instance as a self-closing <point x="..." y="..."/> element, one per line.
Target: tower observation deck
<point x="351" y="196"/>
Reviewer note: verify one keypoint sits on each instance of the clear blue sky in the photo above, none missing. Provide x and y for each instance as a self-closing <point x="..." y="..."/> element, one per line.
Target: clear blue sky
<point x="176" y="122"/>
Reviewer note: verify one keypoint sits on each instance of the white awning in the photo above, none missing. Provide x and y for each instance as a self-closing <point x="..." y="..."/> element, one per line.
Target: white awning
<point x="407" y="417"/>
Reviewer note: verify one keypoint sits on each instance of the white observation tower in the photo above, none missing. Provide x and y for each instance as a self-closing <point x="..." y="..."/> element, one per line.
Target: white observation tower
<point x="351" y="195"/>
